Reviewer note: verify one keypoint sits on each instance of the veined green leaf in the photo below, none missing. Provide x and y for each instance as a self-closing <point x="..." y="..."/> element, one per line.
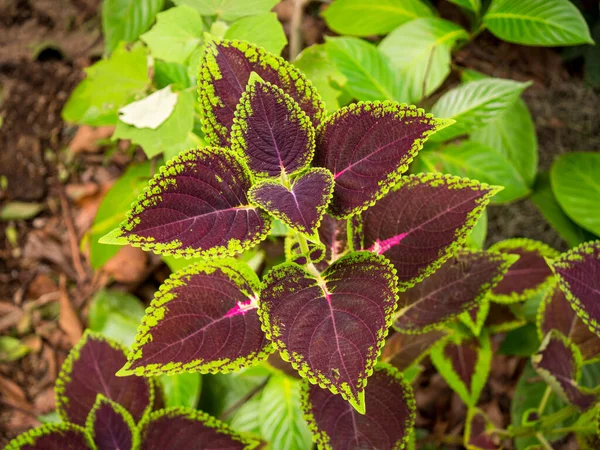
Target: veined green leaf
<point x="365" y="17"/>
<point x="421" y="48"/>
<point x="264" y="30"/>
<point x="537" y="22"/>
<point x="471" y="5"/>
<point x="182" y="389"/>
<point x="229" y="9"/>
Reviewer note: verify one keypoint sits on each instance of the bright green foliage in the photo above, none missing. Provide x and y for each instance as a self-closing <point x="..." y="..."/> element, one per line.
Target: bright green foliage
<point x="280" y="417"/>
<point x="480" y="162"/>
<point x="421" y="48"/>
<point x="166" y="73"/>
<point x="471" y="5"/>
<point x="125" y="20"/>
<point x="575" y="181"/>
<point x="537" y="22"/>
<point x="263" y="30"/>
<point x="323" y="73"/>
<point x="177" y="33"/>
<point x="116" y="315"/>
<point x="113" y="210"/>
<point x="474" y="104"/>
<point x="109" y="84"/>
<point x="365" y="17"/>
<point x="11" y="349"/>
<point x="171" y="137"/>
<point x="182" y="389"/>
<point x="229" y="9"/>
<point x="369" y="73"/>
<point x="476" y="238"/>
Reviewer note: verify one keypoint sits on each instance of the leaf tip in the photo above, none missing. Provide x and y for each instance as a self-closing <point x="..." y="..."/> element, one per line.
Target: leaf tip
<point x="113" y="238"/>
<point x="358" y="402"/>
<point x="124" y="371"/>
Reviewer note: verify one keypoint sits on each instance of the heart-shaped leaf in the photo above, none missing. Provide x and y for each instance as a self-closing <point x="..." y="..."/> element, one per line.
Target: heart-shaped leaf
<point x="577" y="271"/>
<point x="224" y="73"/>
<point x="457" y="286"/>
<point x="423" y="221"/>
<point x="526" y="277"/>
<point x="403" y="350"/>
<point x="90" y="370"/>
<point x="271" y="131"/>
<point x="387" y="423"/>
<point x="195" y="207"/>
<point x="203" y="319"/>
<point x="175" y="428"/>
<point x="301" y="206"/>
<point x="559" y="362"/>
<point x="555" y="313"/>
<point x="331" y="327"/>
<point x="367" y="146"/>
<point x="53" y="436"/>
<point x="110" y="426"/>
<point x="465" y="364"/>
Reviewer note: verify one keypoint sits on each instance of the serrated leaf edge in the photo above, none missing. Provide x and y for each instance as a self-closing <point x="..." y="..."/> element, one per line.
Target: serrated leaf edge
<point x="30" y="436"/>
<point x="91" y="418"/>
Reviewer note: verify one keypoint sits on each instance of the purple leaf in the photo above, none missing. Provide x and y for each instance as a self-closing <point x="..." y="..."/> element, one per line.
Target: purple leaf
<point x="224" y="74"/>
<point x="302" y="206"/>
<point x="578" y="273"/>
<point x="90" y="370"/>
<point x="195" y="207"/>
<point x="53" y="436"/>
<point x="111" y="427"/>
<point x="332" y="327"/>
<point x="203" y="319"/>
<point x="428" y="217"/>
<point x="556" y="313"/>
<point x="190" y="429"/>
<point x="558" y="362"/>
<point x="367" y="146"/>
<point x="529" y="275"/>
<point x="403" y="350"/>
<point x="457" y="286"/>
<point x="477" y="432"/>
<point x="271" y="131"/>
<point x="386" y="424"/>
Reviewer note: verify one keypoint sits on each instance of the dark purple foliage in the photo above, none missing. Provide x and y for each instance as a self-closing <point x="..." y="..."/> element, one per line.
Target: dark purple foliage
<point x="110" y="426"/>
<point x="478" y="437"/>
<point x="60" y="436"/>
<point x="386" y="424"/>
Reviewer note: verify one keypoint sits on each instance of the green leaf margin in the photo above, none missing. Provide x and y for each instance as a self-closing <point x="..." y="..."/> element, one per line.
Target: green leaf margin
<point x="91" y="418"/>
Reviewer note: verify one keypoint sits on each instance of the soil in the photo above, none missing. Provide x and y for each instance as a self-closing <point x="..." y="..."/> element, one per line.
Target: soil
<point x="44" y="47"/>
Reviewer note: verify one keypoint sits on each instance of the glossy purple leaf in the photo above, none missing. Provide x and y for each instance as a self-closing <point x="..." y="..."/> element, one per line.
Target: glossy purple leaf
<point x="386" y="424"/>
<point x="302" y="206"/>
<point x="423" y="221"/>
<point x="367" y="146"/>
<point x="403" y="350"/>
<point x="224" y="74"/>
<point x="53" y="436"/>
<point x="203" y="319"/>
<point x="190" y="429"/>
<point x="90" y="370"/>
<point x="111" y="427"/>
<point x="578" y="273"/>
<point x="331" y="328"/>
<point x="195" y="207"/>
<point x="271" y="131"/>
<point x="457" y="286"/>
<point x="558" y="362"/>
<point x="526" y="277"/>
<point x="556" y="313"/>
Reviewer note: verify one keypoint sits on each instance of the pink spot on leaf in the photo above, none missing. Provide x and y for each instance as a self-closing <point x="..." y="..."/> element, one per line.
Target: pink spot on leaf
<point x="380" y="247"/>
<point x="242" y="307"/>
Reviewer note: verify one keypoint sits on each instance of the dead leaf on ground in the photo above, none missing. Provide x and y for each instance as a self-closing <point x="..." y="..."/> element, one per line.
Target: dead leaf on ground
<point x="128" y="265"/>
<point x="69" y="321"/>
<point x="86" y="139"/>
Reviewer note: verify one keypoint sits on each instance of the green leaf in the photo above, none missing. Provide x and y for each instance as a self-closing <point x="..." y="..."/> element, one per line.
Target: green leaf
<point x="471" y="5"/>
<point x="474" y="104"/>
<point x="365" y="17"/>
<point x="109" y="84"/>
<point x="125" y="20"/>
<point x="11" y="349"/>
<point x="476" y="238"/>
<point x="521" y="341"/>
<point x="264" y="30"/>
<point x="229" y="9"/>
<point x="166" y="73"/>
<point x="281" y="420"/>
<point x="116" y="315"/>
<point x="171" y="137"/>
<point x="182" y="389"/>
<point x="151" y="111"/>
<point x="20" y="210"/>
<point x="512" y="133"/>
<point x="177" y="33"/>
<point x="113" y="210"/>
<point x="576" y="184"/>
<point x="247" y="418"/>
<point x="421" y="48"/>
<point x="323" y="73"/>
<point x="537" y="22"/>
<point x="369" y="73"/>
<point x="546" y="202"/>
<point x="480" y="162"/>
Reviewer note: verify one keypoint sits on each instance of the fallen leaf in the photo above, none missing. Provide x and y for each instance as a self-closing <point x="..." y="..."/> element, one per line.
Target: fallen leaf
<point x="86" y="139"/>
<point x="68" y="320"/>
<point x="20" y="210"/>
<point x="128" y="265"/>
<point x="150" y="112"/>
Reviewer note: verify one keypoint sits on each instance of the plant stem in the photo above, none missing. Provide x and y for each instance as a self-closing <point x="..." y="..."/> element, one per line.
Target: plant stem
<point x="305" y="249"/>
<point x="543" y="441"/>
<point x="295" y="29"/>
<point x="544" y="400"/>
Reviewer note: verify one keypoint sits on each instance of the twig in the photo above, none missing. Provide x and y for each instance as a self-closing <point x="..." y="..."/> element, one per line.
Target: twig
<point x="75" y="255"/>
<point x="295" y="29"/>
<point x="237" y="405"/>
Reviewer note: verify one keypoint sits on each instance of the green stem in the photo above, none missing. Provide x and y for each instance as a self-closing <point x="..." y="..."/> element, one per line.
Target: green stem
<point x="305" y="249"/>
<point x="544" y="400"/>
<point x="543" y="441"/>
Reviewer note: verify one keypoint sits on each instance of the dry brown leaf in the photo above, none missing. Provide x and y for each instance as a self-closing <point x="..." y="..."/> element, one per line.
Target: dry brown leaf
<point x="86" y="138"/>
<point x="128" y="265"/>
<point x="68" y="320"/>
